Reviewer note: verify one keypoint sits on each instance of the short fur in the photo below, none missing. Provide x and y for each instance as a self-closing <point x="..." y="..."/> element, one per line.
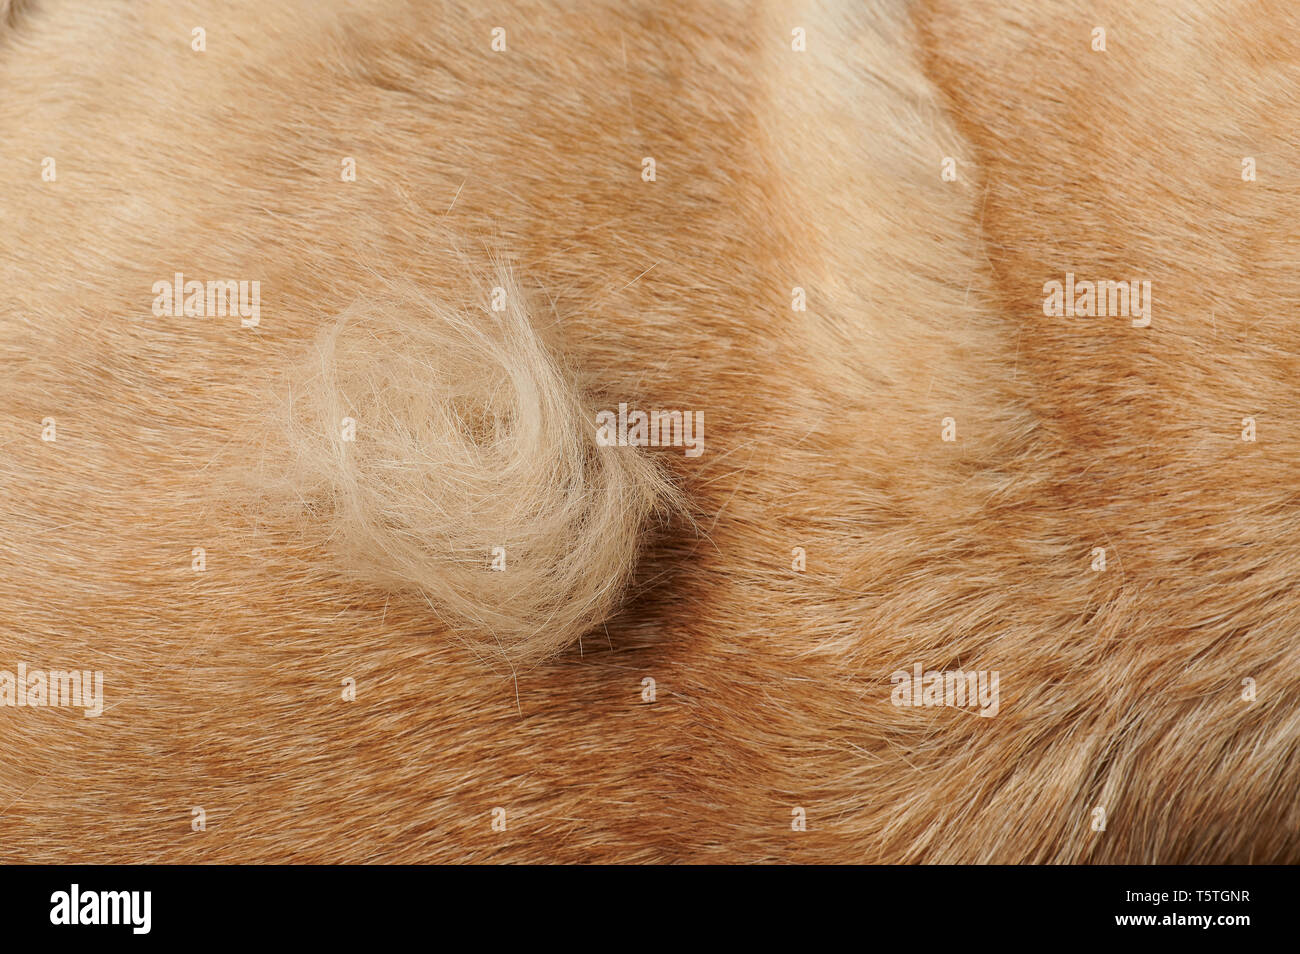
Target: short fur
<point x="771" y="691"/>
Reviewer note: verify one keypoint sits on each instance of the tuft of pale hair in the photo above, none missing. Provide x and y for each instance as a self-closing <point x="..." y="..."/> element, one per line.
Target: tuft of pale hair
<point x="469" y="436"/>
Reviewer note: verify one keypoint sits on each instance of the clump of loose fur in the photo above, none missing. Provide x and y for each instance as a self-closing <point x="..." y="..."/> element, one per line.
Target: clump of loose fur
<point x="453" y="455"/>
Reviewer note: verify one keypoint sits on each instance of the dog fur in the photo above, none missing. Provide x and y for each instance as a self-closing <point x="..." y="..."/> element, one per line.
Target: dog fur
<point x="526" y="690"/>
